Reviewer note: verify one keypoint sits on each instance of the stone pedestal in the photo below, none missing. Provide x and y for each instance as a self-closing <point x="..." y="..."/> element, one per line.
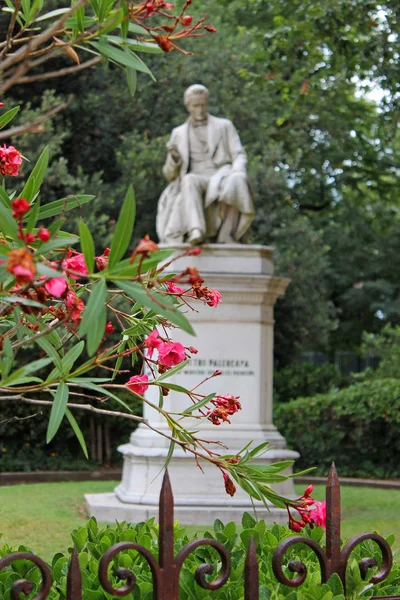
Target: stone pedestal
<point x="235" y="338"/>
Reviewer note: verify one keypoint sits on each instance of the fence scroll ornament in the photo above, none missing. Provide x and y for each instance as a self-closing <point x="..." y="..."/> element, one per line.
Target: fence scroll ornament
<point x="166" y="570"/>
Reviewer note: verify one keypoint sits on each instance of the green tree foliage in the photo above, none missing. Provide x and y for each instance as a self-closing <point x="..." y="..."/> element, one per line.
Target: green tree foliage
<point x="292" y="75"/>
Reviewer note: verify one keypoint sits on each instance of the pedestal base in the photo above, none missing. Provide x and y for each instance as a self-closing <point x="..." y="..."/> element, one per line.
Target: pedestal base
<point x="235" y="339"/>
<point x="199" y="497"/>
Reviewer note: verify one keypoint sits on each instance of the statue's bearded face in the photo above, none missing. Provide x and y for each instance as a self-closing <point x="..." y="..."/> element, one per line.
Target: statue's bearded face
<point x="197" y="107"/>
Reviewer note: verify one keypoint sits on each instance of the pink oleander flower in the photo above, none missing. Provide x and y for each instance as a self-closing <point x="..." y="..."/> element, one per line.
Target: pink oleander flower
<point x="228" y="402"/>
<point x="138" y="384"/>
<point x="22" y="265"/>
<point x="10" y="161"/>
<point x="56" y="287"/>
<point x="75" y="262"/>
<point x="101" y="262"/>
<point x="225" y="406"/>
<point x="22" y="274"/>
<point x="171" y="354"/>
<point x="214" y="298"/>
<point x="152" y="342"/>
<point x="74" y="305"/>
<point x="174" y="289"/>
<point x="318" y="515"/>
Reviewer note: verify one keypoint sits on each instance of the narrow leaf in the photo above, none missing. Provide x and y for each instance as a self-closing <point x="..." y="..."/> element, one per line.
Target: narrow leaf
<point x="8" y="116"/>
<point x="95" y="317"/>
<point x="57" y="411"/>
<point x="77" y="431"/>
<point x="8" y="225"/>
<point x="87" y="245"/>
<point x="162" y="305"/>
<point x="30" y="190"/>
<point x="63" y="205"/>
<point x="124" y="228"/>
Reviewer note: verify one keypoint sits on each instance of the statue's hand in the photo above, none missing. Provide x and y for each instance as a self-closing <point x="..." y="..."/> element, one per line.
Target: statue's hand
<point x="173" y="151"/>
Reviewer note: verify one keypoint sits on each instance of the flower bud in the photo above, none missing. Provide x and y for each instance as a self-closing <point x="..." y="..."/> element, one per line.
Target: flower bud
<point x="43" y="235"/>
<point x="186" y="20"/>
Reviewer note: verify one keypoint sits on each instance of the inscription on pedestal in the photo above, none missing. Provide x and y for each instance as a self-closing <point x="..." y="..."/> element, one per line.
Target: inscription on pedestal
<point x="228" y="366"/>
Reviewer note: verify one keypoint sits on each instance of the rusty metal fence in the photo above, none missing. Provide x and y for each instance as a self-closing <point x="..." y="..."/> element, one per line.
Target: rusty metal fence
<point x="166" y="569"/>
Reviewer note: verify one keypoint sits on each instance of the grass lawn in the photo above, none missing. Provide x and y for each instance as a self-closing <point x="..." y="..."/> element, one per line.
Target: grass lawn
<point x="42" y="516"/>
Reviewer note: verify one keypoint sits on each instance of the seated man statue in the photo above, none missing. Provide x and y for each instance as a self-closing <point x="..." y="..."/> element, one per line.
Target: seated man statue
<point x="209" y="198"/>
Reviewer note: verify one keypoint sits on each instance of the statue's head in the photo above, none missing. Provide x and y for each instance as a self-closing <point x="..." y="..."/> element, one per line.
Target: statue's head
<point x="196" y="102"/>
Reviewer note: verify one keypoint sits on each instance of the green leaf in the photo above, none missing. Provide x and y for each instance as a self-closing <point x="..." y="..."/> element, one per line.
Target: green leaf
<point x="57" y="410"/>
<point x="32" y="186"/>
<point x="174" y="371"/>
<point x="20" y="300"/>
<point x="162" y="305"/>
<point x="131" y="77"/>
<point x="71" y="357"/>
<point x="63" y="205"/>
<point x="95" y="317"/>
<point x="199" y="404"/>
<point x="8" y="116"/>
<point x="134" y="44"/>
<point x="53" y="13"/>
<point x="8" y="225"/>
<point x="43" y="269"/>
<point x="33" y="216"/>
<point x="48" y="347"/>
<point x="123" y="229"/>
<point x="7" y="357"/>
<point x="17" y="376"/>
<point x="87" y="245"/>
<point x="58" y="242"/>
<point x="5" y="198"/>
<point x="77" y="431"/>
<point x="122" y="58"/>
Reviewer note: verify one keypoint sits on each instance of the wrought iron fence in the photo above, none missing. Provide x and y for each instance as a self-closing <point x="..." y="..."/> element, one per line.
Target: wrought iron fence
<point x="166" y="569"/>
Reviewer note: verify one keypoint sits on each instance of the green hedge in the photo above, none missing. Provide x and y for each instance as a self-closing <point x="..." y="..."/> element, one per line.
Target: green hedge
<point x="357" y="428"/>
<point x="92" y="541"/>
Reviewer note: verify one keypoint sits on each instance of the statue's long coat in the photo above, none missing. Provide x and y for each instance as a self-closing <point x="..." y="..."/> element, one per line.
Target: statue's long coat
<point x="228" y="155"/>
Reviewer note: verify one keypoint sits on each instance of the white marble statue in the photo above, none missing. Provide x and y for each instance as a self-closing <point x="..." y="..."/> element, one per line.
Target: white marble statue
<point x="208" y="198"/>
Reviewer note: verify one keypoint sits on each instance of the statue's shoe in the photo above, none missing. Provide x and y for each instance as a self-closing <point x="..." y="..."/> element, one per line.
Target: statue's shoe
<point x="196" y="237"/>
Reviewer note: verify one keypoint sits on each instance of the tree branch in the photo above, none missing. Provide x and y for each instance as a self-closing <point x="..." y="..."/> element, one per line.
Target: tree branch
<point x="48" y="33"/>
<point x="61" y="72"/>
<point x="13" y="419"/>
<point x="34" y="126"/>
<point x="87" y="407"/>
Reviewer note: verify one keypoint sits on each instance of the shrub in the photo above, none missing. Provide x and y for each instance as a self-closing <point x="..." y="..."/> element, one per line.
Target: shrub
<point x="305" y="379"/>
<point x="356" y="427"/>
<point x="91" y="542"/>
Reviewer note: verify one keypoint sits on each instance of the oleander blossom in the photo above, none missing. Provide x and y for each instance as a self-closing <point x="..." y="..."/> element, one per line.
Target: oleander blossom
<point x="174" y="289"/>
<point x="318" y="515"/>
<point x="138" y="384"/>
<point x="171" y="354"/>
<point x="74" y="305"/>
<point x="56" y="286"/>
<point x="75" y="262"/>
<point x="214" y="298"/>
<point x="21" y="265"/>
<point x="225" y="406"/>
<point x="153" y="342"/>
<point x="311" y="512"/>
<point x="10" y="161"/>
